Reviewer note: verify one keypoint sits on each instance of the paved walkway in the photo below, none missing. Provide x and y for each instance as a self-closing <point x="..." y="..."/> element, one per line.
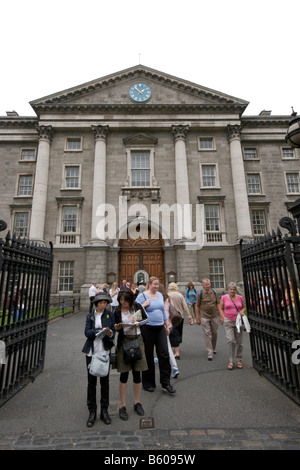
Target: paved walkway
<point x="213" y="408"/>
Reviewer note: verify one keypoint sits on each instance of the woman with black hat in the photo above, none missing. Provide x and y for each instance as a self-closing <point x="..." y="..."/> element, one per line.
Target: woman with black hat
<point x="95" y="322"/>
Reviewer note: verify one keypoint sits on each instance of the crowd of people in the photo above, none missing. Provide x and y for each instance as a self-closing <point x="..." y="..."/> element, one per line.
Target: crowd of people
<point x="143" y="318"/>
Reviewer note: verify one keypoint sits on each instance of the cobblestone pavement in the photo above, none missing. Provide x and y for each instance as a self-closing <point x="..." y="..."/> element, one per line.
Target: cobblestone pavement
<point x="159" y="440"/>
<point x="213" y="408"/>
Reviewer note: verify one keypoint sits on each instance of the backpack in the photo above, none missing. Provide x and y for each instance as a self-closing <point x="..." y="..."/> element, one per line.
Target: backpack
<point x="201" y="292"/>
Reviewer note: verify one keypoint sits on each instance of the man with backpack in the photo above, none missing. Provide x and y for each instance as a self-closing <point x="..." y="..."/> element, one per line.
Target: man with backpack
<point x="207" y="308"/>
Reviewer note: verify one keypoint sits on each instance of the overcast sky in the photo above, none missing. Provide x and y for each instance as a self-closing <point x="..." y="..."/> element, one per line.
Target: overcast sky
<point x="245" y="49"/>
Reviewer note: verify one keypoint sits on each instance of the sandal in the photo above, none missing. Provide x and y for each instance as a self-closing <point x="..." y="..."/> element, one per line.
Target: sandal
<point x="239" y="365"/>
<point x="230" y="366"/>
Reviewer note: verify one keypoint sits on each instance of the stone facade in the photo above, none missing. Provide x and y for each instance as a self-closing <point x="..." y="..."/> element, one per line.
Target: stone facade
<point x="235" y="172"/>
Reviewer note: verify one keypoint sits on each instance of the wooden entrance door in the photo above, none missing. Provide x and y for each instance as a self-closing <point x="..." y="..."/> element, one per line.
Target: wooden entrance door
<point x="141" y="254"/>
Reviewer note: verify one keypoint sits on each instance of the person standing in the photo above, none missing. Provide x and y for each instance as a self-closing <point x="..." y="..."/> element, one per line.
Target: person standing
<point x="113" y="292"/>
<point x="231" y="305"/>
<point x="92" y="292"/>
<point x="155" y="335"/>
<point x="95" y="322"/>
<point x="124" y="314"/>
<point x="207" y="308"/>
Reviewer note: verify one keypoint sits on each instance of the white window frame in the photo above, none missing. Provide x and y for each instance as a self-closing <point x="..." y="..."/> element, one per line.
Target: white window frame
<point x="290" y="150"/>
<point x="71" y="268"/>
<point x="18" y="185"/>
<point x="64" y="177"/>
<point x="206" y="138"/>
<point x="262" y="211"/>
<point x="252" y="149"/>
<point x="24" y="149"/>
<point x="286" y="182"/>
<point x="220" y="274"/>
<point x="68" y="139"/>
<point x="216" y="175"/>
<point x="144" y="148"/>
<point x="15" y="216"/>
<point x="249" y="173"/>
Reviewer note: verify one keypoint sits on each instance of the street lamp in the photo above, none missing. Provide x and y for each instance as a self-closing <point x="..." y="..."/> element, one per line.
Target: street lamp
<point x="293" y="133"/>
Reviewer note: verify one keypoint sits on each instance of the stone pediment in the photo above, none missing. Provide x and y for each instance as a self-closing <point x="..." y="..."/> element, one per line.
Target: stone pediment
<point x="111" y="92"/>
<point x="140" y="139"/>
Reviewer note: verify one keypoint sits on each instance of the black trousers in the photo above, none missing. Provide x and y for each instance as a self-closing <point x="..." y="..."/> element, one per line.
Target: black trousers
<point x="92" y="390"/>
<point x="155" y="336"/>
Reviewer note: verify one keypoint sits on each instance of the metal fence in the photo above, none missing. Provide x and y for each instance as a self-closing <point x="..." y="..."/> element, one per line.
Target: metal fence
<point x="271" y="273"/>
<point x="25" y="283"/>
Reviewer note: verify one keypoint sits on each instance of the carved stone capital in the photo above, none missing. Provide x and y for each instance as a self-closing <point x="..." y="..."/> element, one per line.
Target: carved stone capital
<point x="45" y="132"/>
<point x="233" y="132"/>
<point x="180" y="131"/>
<point x="100" y="132"/>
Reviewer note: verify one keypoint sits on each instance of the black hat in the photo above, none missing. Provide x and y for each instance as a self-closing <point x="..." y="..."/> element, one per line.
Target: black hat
<point x="102" y="296"/>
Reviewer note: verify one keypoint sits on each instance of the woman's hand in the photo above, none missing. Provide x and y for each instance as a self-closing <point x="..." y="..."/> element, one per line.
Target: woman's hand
<point x="117" y="326"/>
<point x="147" y="303"/>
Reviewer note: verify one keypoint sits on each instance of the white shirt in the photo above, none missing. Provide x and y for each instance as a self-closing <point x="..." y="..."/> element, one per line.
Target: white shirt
<point x="115" y="302"/>
<point x="92" y="291"/>
<point x="98" y="343"/>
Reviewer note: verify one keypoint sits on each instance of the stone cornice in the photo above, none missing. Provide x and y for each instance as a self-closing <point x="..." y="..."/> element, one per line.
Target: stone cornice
<point x="18" y="122"/>
<point x="249" y="122"/>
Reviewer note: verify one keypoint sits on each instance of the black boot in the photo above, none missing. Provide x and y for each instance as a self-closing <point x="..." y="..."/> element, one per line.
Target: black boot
<point x="104" y="416"/>
<point x="92" y="419"/>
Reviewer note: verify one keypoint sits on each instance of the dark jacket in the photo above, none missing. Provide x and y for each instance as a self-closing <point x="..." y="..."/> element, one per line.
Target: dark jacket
<point x="90" y="331"/>
<point x="118" y="319"/>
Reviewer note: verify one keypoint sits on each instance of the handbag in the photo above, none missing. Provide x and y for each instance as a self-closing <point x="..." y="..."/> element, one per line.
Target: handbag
<point x="132" y="351"/>
<point x="99" y="365"/>
<point x="174" y="315"/>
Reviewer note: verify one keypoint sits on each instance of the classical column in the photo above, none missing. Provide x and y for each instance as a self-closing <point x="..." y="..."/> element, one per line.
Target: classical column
<point x="239" y="183"/>
<point x="99" y="184"/>
<point x="39" y="201"/>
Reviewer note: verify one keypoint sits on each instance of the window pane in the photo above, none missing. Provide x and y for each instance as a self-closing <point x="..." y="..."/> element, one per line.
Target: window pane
<point x="216" y="273"/>
<point x="140" y="168"/>
<point x="74" y="143"/>
<point x="72" y="177"/>
<point x="25" y="185"/>
<point x="250" y="154"/>
<point x="28" y="154"/>
<point x="292" y="180"/>
<point x="206" y="143"/>
<point x="288" y="153"/>
<point x="66" y="275"/>
<point x="208" y="175"/>
<point x="69" y="219"/>
<point x="21" y="224"/>
<point x="254" y="184"/>
<point x="258" y="222"/>
<point x="212" y="217"/>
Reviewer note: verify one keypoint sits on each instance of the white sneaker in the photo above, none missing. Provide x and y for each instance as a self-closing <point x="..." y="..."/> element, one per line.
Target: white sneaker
<point x="175" y="373"/>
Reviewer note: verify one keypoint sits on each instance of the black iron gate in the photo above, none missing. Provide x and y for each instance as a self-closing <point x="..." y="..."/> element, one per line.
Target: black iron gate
<point x="271" y="273"/>
<point x="25" y="282"/>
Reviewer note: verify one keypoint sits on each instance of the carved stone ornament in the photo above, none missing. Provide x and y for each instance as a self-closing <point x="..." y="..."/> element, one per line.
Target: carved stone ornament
<point x="180" y="131"/>
<point x="45" y="132"/>
<point x="100" y="132"/>
<point x="233" y="132"/>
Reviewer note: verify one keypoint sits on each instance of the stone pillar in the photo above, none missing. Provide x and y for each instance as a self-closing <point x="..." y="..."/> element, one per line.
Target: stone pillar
<point x="39" y="201"/>
<point x="182" y="183"/>
<point x="239" y="183"/>
<point x="99" y="184"/>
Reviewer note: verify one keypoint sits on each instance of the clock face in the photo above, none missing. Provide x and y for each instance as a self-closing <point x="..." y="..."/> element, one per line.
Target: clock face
<point x="140" y="93"/>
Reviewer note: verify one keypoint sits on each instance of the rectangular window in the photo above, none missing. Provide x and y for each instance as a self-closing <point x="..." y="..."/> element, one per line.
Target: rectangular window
<point x="72" y="176"/>
<point x="250" y="153"/>
<point x="74" y="143"/>
<point x="292" y="181"/>
<point x="69" y="219"/>
<point x="21" y="224"/>
<point x="65" y="276"/>
<point x="212" y="219"/>
<point x="208" y="175"/>
<point x="28" y="154"/>
<point x="258" y="222"/>
<point x="140" y="168"/>
<point x="206" y="143"/>
<point x="25" y="185"/>
<point x="216" y="273"/>
<point x="288" y="152"/>
<point x="254" y="186"/>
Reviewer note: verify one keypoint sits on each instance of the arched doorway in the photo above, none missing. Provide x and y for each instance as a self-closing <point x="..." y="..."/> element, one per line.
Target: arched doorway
<point x="143" y="255"/>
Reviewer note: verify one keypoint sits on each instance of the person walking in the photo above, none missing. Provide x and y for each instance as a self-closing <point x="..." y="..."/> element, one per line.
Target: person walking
<point x="95" y="322"/>
<point x="231" y="305"/>
<point x="92" y="292"/>
<point x="113" y="292"/>
<point x="177" y="300"/>
<point x="190" y="298"/>
<point x="155" y="335"/>
<point x="125" y="313"/>
<point x="207" y="308"/>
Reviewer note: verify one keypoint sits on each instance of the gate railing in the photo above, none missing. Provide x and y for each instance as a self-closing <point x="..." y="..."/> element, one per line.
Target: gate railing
<point x="271" y="273"/>
<point x="25" y="283"/>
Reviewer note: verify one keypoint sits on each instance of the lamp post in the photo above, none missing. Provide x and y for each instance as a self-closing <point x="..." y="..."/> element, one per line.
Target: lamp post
<point x="293" y="133"/>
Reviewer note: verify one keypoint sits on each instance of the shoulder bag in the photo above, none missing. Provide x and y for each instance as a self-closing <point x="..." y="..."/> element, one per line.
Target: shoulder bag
<point x="174" y="315"/>
<point x="131" y="350"/>
<point x="99" y="365"/>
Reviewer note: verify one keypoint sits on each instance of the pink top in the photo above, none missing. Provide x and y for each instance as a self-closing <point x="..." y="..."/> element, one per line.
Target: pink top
<point x="230" y="311"/>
